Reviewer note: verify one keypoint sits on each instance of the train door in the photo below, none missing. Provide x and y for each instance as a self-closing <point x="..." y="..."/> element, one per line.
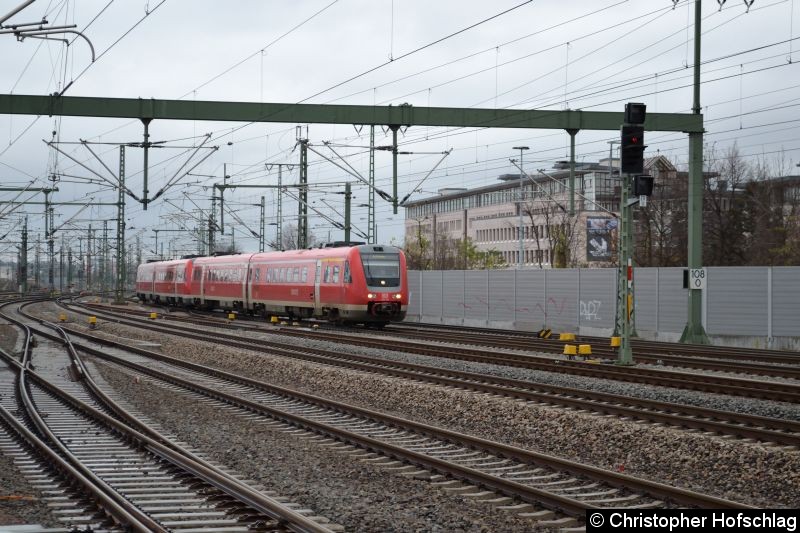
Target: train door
<point x="317" y="279"/>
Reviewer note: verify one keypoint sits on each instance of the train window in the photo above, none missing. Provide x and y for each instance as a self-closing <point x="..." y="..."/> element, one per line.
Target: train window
<point x="257" y="274"/>
<point x="327" y="276"/>
<point x="296" y="276"/>
<point x="382" y="270"/>
<point x="304" y="277"/>
<point x="347" y="277"/>
<point x="282" y="275"/>
<point x="198" y="274"/>
<point x="336" y="274"/>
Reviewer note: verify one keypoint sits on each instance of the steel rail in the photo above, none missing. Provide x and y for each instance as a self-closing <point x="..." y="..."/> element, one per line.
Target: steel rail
<point x="681" y="380"/>
<point x="656" y="347"/>
<point x="116" y="506"/>
<point x="761" y="428"/>
<point x="681" y="496"/>
<point x="607" y="352"/>
<point x="154" y="442"/>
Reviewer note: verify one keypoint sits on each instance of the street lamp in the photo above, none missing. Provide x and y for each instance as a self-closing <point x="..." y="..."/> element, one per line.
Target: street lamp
<point x="521" y="175"/>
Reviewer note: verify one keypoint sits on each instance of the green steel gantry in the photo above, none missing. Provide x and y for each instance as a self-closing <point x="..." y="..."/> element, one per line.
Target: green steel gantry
<point x="395" y="117"/>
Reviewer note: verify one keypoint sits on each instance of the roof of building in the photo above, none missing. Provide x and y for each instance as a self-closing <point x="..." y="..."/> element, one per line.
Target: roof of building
<point x="560" y="170"/>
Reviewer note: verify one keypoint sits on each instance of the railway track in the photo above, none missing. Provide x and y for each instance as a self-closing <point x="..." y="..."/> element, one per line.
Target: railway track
<point x="767" y="430"/>
<point x="770" y="390"/>
<point x="504" y="475"/>
<point x="141" y="479"/>
<point x="645" y="351"/>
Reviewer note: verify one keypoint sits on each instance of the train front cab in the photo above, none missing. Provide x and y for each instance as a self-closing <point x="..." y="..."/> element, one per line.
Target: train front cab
<point x="379" y="287"/>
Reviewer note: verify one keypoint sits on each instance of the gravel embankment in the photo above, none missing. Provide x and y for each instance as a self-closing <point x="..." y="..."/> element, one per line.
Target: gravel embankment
<point x="729" y="469"/>
<point x="726" y="468"/>
<point x="359" y="496"/>
<point x="8" y="337"/>
<point x="20" y="503"/>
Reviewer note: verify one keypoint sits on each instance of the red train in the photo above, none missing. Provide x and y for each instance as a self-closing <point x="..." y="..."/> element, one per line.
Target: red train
<point x="354" y="284"/>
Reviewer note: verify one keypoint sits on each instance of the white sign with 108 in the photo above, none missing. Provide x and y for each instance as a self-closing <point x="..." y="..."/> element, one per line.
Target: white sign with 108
<point x="697" y="278"/>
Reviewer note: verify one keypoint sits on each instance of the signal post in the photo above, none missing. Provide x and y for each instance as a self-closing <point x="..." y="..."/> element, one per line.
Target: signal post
<point x="635" y="188"/>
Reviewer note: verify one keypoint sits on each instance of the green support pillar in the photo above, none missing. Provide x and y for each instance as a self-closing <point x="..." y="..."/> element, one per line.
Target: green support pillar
<point x="572" y="132"/>
<point x="104" y="261"/>
<point x="146" y="147"/>
<point x="23" y="259"/>
<point x="347" y="196"/>
<point x="372" y="230"/>
<point x="394" y="129"/>
<point x="302" y="207"/>
<point x="279" y="226"/>
<point x="694" y="331"/>
<point x="625" y="284"/>
<point x="119" y="289"/>
<point x="261" y="233"/>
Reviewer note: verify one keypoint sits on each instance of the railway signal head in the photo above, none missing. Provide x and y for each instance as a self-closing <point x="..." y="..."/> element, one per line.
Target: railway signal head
<point x="635" y="113"/>
<point x="632" y="149"/>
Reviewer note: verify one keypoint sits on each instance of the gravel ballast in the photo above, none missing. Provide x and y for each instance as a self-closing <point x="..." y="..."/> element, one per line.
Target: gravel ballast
<point x="732" y="469"/>
<point x="729" y="469"/>
<point x="20" y="503"/>
<point x="359" y="496"/>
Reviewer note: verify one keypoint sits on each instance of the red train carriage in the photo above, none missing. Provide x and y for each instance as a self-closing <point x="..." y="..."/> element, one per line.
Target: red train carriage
<point x="364" y="284"/>
<point x="222" y="281"/>
<point x="164" y="281"/>
<point x="170" y="285"/>
<point x="145" y="275"/>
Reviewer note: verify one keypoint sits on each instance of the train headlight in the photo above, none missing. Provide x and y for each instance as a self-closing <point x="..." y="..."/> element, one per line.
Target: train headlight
<point x="370" y="296"/>
<point x="398" y="296"/>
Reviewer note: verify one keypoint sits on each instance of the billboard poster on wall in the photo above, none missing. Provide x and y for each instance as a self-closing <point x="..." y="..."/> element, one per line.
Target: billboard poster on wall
<point x="599" y="238"/>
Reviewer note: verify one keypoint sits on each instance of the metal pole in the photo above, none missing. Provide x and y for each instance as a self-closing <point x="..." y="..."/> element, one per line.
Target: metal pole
<point x="620" y="277"/>
<point x="37" y="265"/>
<point x="23" y="259"/>
<point x="372" y="230"/>
<point x="302" y="207"/>
<point x="89" y="259"/>
<point x="146" y="147"/>
<point x="694" y="331"/>
<point x="394" y="168"/>
<point x="521" y="149"/>
<point x="104" y="261"/>
<point x="572" y="133"/>
<point x="625" y="355"/>
<point x="212" y="223"/>
<point x="119" y="292"/>
<point x="48" y="236"/>
<point x="61" y="266"/>
<point x="347" y="197"/>
<point x="261" y="235"/>
<point x="69" y="268"/>
<point x="222" y="199"/>
<point x="279" y="225"/>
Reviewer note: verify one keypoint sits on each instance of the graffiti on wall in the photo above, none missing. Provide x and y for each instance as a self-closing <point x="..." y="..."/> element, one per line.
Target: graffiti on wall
<point x="590" y="310"/>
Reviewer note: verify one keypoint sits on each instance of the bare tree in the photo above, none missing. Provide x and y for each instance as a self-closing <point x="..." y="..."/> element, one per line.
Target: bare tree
<point x="660" y="227"/>
<point x="724" y="207"/>
<point x="289" y="238"/>
<point x="551" y="223"/>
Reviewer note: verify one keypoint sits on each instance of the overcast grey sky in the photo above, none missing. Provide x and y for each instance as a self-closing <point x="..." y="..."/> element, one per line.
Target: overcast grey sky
<point x="581" y="54"/>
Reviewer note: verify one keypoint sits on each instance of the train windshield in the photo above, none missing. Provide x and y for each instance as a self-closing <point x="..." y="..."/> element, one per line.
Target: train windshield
<point x="382" y="270"/>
